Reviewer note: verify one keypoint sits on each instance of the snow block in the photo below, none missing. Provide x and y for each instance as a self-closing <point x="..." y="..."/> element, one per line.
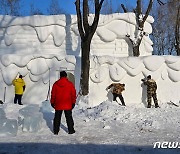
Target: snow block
<point x="2" y="114"/>
<point x="30" y="119"/>
<point x="8" y="127"/>
<point x="46" y="107"/>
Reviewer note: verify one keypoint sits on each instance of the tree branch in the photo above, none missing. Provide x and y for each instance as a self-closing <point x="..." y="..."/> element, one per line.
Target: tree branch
<point x="98" y="7"/>
<point x="124" y="8"/>
<point x="160" y="2"/>
<point x="147" y="12"/>
<point x="177" y="37"/>
<point x="85" y="16"/>
<point x="79" y="19"/>
<point x="138" y="11"/>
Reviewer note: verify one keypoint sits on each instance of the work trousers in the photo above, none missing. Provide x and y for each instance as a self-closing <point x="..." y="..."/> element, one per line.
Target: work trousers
<point x="57" y="120"/>
<point x="149" y="97"/>
<point x="120" y="97"/>
<point x="18" y="98"/>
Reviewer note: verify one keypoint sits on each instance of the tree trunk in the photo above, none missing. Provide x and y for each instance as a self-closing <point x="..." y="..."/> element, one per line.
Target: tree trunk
<point x="177" y="38"/>
<point x="85" y="66"/>
<point x="86" y="32"/>
<point x="136" y="50"/>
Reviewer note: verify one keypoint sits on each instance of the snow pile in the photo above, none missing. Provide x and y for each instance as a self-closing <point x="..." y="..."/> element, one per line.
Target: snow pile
<point x="142" y="119"/>
<point x="108" y="127"/>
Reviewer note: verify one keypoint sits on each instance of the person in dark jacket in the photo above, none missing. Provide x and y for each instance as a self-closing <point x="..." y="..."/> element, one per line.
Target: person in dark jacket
<point x="63" y="98"/>
<point x="151" y="91"/>
<point x="117" y="91"/>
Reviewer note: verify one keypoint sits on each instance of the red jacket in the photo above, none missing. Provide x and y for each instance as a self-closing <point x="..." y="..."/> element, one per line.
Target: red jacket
<point x="63" y="94"/>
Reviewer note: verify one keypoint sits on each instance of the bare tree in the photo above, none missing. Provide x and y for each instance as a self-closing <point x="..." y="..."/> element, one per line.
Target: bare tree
<point x="35" y="11"/>
<point x="177" y="32"/>
<point x="86" y="32"/>
<point x="10" y="7"/>
<point x="140" y="19"/>
<point x="107" y="7"/>
<point x="54" y="8"/>
<point x="173" y="18"/>
<point x="166" y="28"/>
<point x="159" y="34"/>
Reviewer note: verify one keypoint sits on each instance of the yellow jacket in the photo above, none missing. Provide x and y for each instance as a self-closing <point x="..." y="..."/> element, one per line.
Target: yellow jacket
<point x="19" y="84"/>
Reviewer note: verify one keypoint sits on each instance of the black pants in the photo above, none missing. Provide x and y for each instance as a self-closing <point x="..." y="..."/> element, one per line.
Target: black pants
<point x="120" y="97"/>
<point x="17" y="98"/>
<point x="57" y="120"/>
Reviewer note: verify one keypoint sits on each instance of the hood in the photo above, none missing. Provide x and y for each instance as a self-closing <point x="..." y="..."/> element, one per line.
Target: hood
<point x="151" y="80"/>
<point x="62" y="82"/>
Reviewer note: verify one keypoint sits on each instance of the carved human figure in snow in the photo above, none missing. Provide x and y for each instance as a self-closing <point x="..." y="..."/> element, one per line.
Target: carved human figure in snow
<point x="151" y="91"/>
<point x="117" y="91"/>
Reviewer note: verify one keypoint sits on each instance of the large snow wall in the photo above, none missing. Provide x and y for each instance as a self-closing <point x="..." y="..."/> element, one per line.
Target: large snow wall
<point x="39" y="71"/>
<point x="165" y="70"/>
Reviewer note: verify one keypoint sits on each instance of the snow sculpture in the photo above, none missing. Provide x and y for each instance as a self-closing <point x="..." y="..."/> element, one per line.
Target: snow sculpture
<point x="59" y="35"/>
<point x="130" y="70"/>
<point x="8" y="127"/>
<point x="2" y="113"/>
<point x="30" y="119"/>
<point x="38" y="70"/>
<point x="46" y="107"/>
<point x="39" y="47"/>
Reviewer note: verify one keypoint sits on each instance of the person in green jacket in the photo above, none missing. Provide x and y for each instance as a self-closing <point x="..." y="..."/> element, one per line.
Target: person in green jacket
<point x="151" y="91"/>
<point x="20" y="86"/>
<point x="117" y="91"/>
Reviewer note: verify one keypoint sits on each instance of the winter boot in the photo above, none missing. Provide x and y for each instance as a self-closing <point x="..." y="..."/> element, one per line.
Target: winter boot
<point x="71" y="132"/>
<point x="149" y="105"/>
<point x="156" y="106"/>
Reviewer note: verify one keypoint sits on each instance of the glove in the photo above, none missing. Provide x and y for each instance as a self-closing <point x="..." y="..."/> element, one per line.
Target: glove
<point x="52" y="105"/>
<point x="24" y="87"/>
<point x="73" y="105"/>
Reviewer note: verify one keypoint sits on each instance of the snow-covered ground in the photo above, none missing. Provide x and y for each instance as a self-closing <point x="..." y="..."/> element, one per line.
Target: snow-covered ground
<point x="106" y="128"/>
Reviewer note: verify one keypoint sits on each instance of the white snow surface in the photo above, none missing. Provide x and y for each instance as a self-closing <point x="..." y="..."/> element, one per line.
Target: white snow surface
<point x="41" y="71"/>
<point x="106" y="128"/>
<point x="59" y="34"/>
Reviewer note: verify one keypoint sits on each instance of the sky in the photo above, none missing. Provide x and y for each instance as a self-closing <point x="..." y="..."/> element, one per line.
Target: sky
<point x="67" y="5"/>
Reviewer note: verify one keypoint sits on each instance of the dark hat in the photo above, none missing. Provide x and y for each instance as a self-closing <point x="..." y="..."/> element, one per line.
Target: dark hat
<point x="20" y="76"/>
<point x="149" y="76"/>
<point x="63" y="74"/>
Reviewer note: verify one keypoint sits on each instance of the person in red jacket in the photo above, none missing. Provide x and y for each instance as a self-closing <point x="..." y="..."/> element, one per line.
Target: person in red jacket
<point x="63" y="98"/>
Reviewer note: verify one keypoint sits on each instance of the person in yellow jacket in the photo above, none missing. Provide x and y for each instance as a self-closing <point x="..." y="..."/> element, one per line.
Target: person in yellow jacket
<point x="20" y="86"/>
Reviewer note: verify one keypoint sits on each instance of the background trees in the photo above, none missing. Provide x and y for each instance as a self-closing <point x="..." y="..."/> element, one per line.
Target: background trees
<point x="10" y="7"/>
<point x="54" y="8"/>
<point x="166" y="27"/>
